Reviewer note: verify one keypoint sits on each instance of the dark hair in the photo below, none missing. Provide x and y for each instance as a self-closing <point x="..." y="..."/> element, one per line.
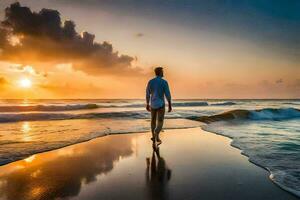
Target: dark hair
<point x="158" y="70"/>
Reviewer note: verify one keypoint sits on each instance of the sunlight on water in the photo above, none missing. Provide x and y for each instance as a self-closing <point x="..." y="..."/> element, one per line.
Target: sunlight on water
<point x="26" y="131"/>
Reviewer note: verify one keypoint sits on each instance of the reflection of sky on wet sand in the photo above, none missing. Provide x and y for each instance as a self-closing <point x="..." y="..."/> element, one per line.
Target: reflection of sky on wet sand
<point x="190" y="164"/>
<point x="61" y="173"/>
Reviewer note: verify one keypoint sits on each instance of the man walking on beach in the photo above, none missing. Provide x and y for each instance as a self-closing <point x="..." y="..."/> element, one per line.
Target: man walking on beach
<point x="156" y="91"/>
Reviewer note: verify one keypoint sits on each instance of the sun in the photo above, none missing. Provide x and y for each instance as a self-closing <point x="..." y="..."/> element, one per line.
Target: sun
<point x="25" y="83"/>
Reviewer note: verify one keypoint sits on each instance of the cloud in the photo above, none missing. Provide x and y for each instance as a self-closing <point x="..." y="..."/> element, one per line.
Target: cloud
<point x="279" y="81"/>
<point x="41" y="37"/>
<point x="139" y="35"/>
<point x="26" y="69"/>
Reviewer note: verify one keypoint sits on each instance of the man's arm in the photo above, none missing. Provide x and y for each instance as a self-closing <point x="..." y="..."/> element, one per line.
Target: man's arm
<point x="148" y="97"/>
<point x="168" y="96"/>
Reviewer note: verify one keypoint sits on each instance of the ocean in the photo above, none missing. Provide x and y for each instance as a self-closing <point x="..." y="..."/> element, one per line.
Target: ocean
<point x="267" y="131"/>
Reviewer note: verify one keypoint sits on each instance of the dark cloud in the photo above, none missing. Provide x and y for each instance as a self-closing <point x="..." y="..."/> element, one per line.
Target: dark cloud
<point x="3" y="37"/>
<point x="139" y="35"/>
<point x="279" y="81"/>
<point x="45" y="38"/>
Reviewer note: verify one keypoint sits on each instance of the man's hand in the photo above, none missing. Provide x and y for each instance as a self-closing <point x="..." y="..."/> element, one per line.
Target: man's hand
<point x="148" y="108"/>
<point x="170" y="108"/>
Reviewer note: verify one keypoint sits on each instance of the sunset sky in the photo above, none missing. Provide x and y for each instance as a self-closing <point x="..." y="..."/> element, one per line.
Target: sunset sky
<point x="209" y="49"/>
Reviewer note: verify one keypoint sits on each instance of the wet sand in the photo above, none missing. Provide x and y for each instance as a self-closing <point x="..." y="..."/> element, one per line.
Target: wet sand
<point x="190" y="164"/>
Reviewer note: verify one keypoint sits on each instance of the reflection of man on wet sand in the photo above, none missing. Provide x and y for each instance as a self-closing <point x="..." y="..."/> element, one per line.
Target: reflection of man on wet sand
<point x="157" y="175"/>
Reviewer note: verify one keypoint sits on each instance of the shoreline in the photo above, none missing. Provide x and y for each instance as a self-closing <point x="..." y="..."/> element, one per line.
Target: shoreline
<point x="258" y="165"/>
<point x="176" y="132"/>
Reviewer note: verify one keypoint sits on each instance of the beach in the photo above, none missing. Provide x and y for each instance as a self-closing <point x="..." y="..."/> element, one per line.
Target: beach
<point x="189" y="164"/>
<point x="85" y="86"/>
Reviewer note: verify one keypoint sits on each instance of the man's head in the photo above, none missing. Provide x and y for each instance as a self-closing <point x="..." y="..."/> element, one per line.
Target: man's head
<point x="159" y="71"/>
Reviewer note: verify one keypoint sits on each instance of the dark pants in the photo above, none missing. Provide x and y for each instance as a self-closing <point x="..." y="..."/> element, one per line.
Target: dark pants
<point x="157" y="120"/>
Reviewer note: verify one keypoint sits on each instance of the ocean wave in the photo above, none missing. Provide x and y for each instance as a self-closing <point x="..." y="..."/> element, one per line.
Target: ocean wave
<point x="142" y="105"/>
<point x="192" y="103"/>
<point x="227" y="103"/>
<point x="292" y="103"/>
<point x="174" y="104"/>
<point x="262" y="114"/>
<point x="47" y="108"/>
<point x="72" y="107"/>
<point x="183" y="104"/>
<point x="65" y="116"/>
<point x="274" y="114"/>
<point x="42" y="116"/>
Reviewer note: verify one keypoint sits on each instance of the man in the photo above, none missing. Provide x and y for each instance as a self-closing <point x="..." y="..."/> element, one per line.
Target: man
<point x="157" y="90"/>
